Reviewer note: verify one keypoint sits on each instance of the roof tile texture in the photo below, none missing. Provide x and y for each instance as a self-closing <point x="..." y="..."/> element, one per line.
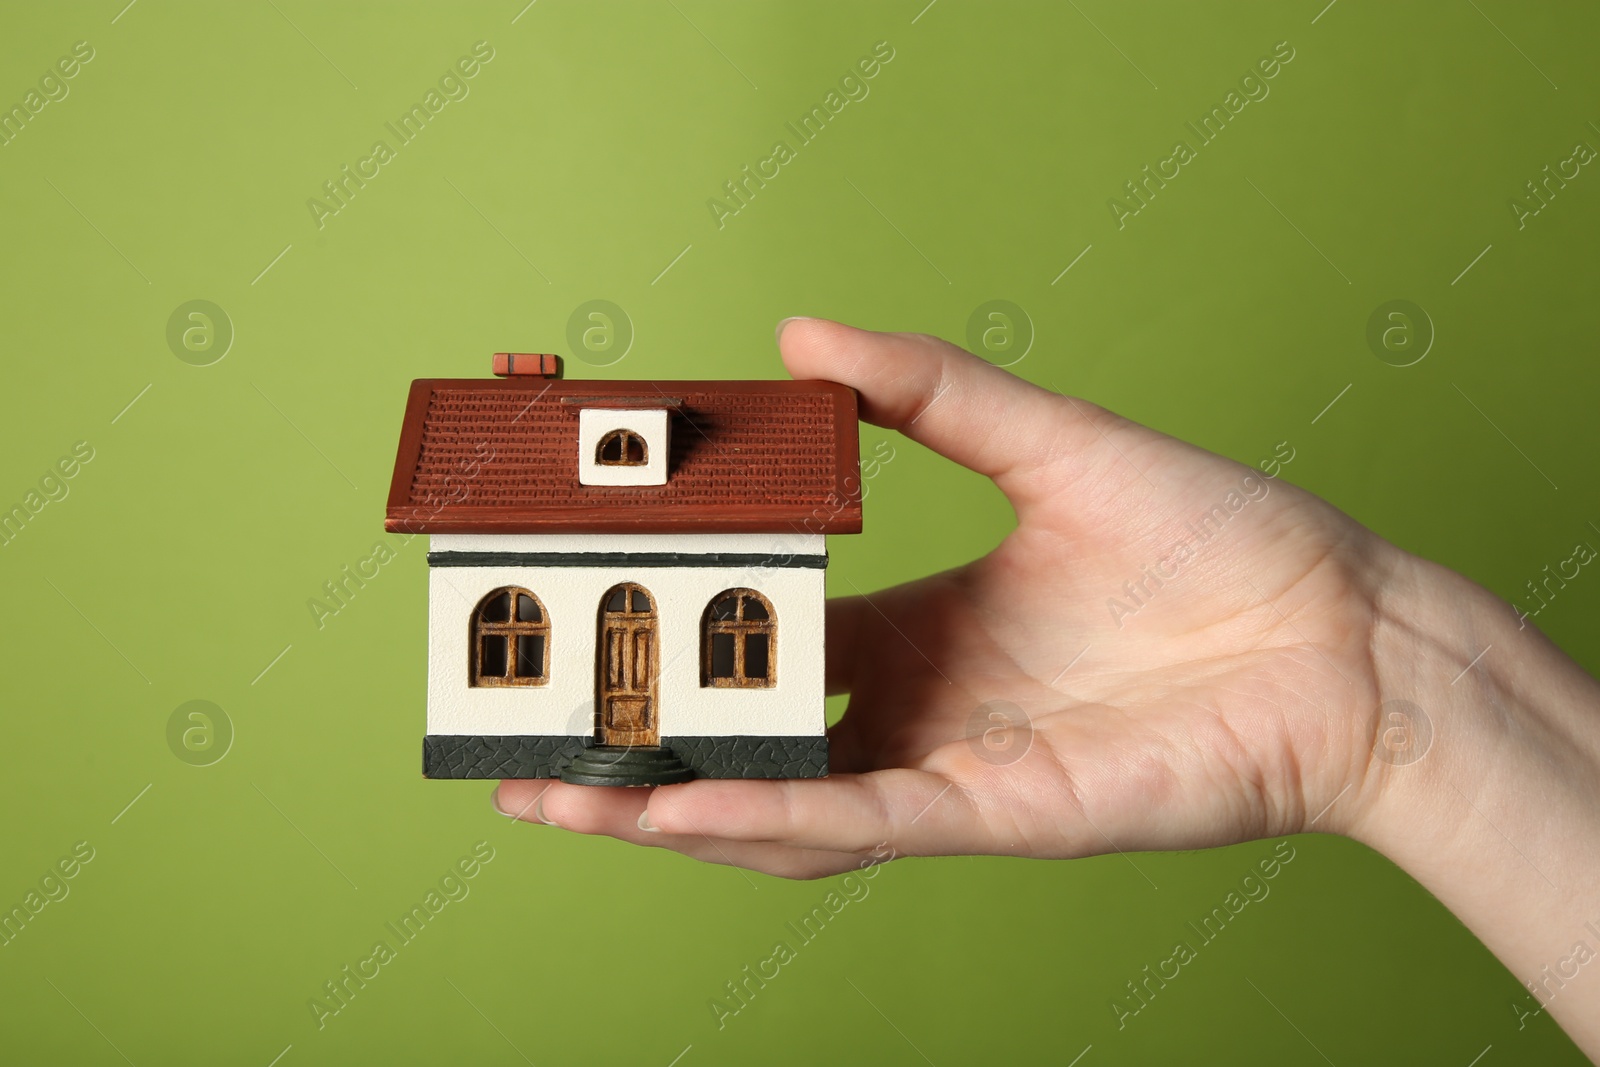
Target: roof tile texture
<point x="501" y="455"/>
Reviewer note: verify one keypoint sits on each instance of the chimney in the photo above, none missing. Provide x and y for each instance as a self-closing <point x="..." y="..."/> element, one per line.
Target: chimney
<point x="526" y="365"/>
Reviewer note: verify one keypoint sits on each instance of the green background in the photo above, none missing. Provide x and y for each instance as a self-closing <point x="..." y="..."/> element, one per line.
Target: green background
<point x="1230" y="311"/>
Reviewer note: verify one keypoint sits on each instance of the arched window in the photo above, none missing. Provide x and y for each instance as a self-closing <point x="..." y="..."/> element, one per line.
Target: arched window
<point x="740" y="641"/>
<point x="510" y="639"/>
<point x="621" y="448"/>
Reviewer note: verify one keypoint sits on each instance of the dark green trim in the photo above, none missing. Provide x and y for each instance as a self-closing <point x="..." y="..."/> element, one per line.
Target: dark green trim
<point x="745" y="756"/>
<point x="626" y="559"/>
<point x="531" y="756"/>
<point x="469" y="756"/>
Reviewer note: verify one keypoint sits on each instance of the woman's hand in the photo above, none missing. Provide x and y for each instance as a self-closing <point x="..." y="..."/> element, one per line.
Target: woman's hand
<point x="1171" y="650"/>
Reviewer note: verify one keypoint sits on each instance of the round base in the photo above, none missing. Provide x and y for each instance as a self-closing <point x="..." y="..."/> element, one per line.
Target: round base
<point x="628" y="765"/>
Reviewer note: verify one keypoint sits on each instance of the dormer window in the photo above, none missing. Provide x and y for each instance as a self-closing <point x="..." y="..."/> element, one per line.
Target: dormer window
<point x="622" y="448"/>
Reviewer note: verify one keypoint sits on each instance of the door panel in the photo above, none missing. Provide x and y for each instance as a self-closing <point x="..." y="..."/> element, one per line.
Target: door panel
<point x="641" y="660"/>
<point x="630" y="715"/>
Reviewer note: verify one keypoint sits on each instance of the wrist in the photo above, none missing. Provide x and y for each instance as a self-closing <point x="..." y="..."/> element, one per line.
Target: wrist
<point x="1484" y="774"/>
<point x="1475" y="705"/>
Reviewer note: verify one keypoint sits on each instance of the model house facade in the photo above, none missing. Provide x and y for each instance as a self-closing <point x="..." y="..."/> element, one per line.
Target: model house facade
<point x="625" y="578"/>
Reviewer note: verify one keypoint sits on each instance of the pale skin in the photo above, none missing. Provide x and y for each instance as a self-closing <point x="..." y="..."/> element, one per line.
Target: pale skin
<point x="1242" y="696"/>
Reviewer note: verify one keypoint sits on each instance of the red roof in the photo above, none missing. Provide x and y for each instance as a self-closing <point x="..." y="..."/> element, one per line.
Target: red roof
<point x="500" y="455"/>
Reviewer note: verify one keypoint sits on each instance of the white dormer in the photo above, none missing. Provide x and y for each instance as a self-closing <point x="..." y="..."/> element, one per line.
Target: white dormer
<point x="622" y="446"/>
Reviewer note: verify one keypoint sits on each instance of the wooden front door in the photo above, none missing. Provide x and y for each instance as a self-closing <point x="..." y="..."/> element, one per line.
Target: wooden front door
<point x="625" y="690"/>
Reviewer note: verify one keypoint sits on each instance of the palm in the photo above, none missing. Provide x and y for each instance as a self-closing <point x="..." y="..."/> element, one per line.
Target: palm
<point x="1207" y="708"/>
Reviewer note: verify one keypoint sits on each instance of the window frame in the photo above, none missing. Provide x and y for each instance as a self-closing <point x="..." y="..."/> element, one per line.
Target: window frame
<point x="626" y="438"/>
<point x="740" y="629"/>
<point x="512" y="629"/>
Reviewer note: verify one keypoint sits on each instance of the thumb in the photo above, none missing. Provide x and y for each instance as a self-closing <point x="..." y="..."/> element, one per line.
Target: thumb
<point x="962" y="407"/>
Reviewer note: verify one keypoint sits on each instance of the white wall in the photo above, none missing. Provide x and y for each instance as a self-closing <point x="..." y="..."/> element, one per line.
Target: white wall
<point x="571" y="596"/>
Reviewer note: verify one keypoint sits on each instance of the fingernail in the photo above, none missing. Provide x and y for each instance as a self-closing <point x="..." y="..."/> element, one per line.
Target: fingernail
<point x="784" y="322"/>
<point x="494" y="799"/>
<point x="646" y="825"/>
<point x="538" y="811"/>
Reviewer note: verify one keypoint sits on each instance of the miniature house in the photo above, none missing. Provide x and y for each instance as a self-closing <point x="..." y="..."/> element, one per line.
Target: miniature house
<point x="625" y="578"/>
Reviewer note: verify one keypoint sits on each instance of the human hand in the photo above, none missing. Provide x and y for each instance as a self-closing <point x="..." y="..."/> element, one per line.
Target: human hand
<point x="1183" y="682"/>
<point x="1189" y="641"/>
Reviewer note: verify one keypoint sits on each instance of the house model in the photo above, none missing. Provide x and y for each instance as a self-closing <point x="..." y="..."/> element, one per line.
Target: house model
<point x="625" y="578"/>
